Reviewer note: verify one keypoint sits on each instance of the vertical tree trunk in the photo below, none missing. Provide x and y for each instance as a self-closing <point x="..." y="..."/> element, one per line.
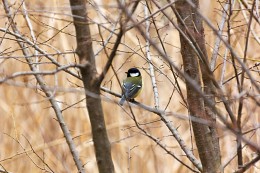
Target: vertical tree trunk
<point x="206" y="137"/>
<point x="208" y="86"/>
<point x="92" y="85"/>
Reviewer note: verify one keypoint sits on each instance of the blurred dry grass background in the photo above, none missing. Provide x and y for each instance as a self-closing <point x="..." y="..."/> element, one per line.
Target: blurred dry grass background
<point x="28" y="122"/>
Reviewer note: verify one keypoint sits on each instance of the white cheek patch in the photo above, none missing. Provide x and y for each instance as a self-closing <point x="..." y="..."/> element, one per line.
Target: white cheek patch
<point x="134" y="74"/>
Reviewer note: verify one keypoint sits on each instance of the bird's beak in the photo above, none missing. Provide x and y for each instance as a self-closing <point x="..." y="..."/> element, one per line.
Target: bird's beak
<point x="125" y="72"/>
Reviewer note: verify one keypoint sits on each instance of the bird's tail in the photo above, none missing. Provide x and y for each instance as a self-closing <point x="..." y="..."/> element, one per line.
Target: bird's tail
<point x="121" y="102"/>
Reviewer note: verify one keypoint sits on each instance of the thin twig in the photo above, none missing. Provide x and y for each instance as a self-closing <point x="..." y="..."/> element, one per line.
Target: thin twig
<point x="165" y="52"/>
<point x="218" y="41"/>
<point x="194" y="84"/>
<point x="29" y="24"/>
<point x="20" y="38"/>
<point x="215" y="31"/>
<point x="148" y="54"/>
<point x="111" y="57"/>
<point x="24" y="73"/>
<point x="114" y="50"/>
<point x="151" y="15"/>
<point x="250" y="68"/>
<point x="48" y="94"/>
<point x="256" y="37"/>
<point x="32" y="149"/>
<point x="158" y="142"/>
<point x="223" y="71"/>
<point x="248" y="165"/>
<point x="188" y="78"/>
<point x="188" y="153"/>
<point x="240" y="89"/>
<point x="247" y="8"/>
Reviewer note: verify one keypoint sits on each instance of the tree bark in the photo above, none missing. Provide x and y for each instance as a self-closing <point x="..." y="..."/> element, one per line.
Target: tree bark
<point x="208" y="86"/>
<point x="205" y="136"/>
<point x="92" y="85"/>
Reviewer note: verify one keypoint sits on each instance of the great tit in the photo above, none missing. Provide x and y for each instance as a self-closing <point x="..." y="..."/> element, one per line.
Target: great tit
<point x="132" y="85"/>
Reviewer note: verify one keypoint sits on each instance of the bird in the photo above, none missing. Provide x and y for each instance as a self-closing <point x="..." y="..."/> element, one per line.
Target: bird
<point x="131" y="86"/>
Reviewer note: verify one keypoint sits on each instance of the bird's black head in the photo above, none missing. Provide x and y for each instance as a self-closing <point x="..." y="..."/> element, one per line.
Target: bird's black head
<point x="133" y="72"/>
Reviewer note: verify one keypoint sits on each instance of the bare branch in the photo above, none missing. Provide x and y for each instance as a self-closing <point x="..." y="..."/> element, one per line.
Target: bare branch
<point x="114" y="50"/>
<point x="23" y="39"/>
<point x="111" y="57"/>
<point x="92" y="82"/>
<point x="244" y="67"/>
<point x="223" y="71"/>
<point x="240" y="90"/>
<point x="18" y="74"/>
<point x="48" y="94"/>
<point x="247" y="20"/>
<point x="148" y="54"/>
<point x="254" y="14"/>
<point x="248" y="165"/>
<point x="194" y="84"/>
<point x="187" y="152"/>
<point x="217" y="41"/>
<point x="29" y="24"/>
<point x="194" y="160"/>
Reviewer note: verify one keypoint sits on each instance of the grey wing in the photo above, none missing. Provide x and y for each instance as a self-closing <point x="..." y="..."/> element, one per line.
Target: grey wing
<point x="130" y="89"/>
